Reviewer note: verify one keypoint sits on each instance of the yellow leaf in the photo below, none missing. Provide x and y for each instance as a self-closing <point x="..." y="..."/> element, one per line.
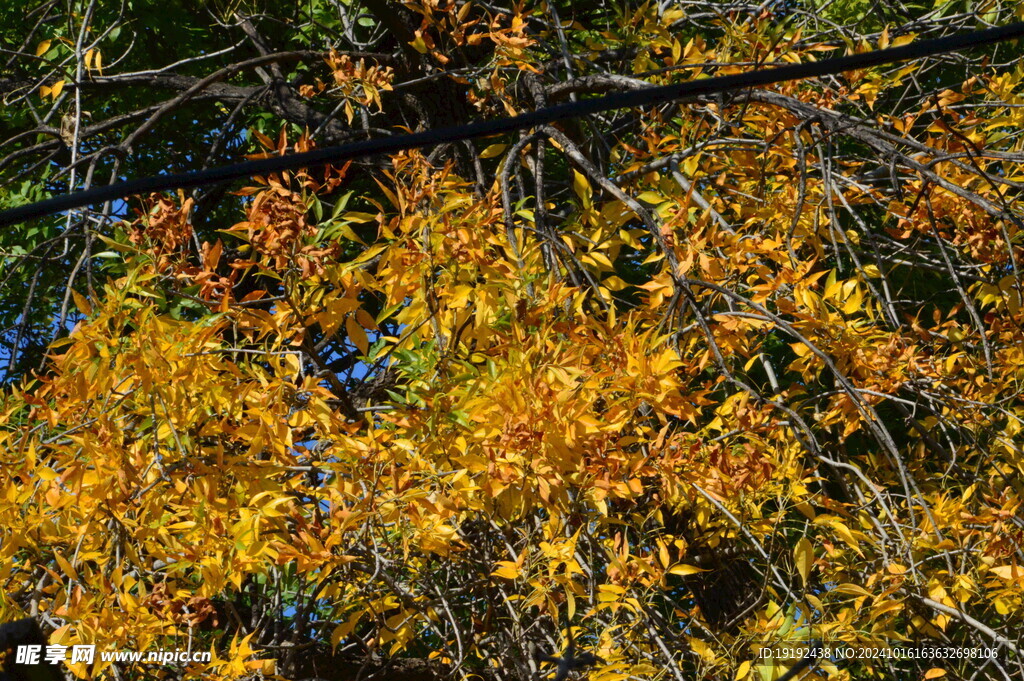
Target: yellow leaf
<point x="684" y="570"/>
<point x="803" y="556"/>
<point x="365" y="319"/>
<point x="291" y="364"/>
<point x="56" y="89"/>
<point x="615" y="283"/>
<point x="879" y="608"/>
<point x="60" y="635"/>
<point x="581" y="186"/>
<point x="66" y="567"/>
<point x="356" y="334"/>
<point x="805" y="508"/>
<point x="183" y="525"/>
<point x="650" y="197"/>
<point x="356" y="216"/>
<point x="743" y="670"/>
<point x="852" y="590"/>
<point x="344" y="629"/>
<point x="702" y="649"/>
<point x="419" y="44"/>
<point x="934" y="673"/>
<point x="1006" y="571"/>
<point x="871" y="271"/>
<point x="43" y="47"/>
<point x="493" y="150"/>
<point x="82" y="303"/>
<point x="601" y="259"/>
<point x="506" y="569"/>
<point x="841" y="530"/>
<point x="852" y="303"/>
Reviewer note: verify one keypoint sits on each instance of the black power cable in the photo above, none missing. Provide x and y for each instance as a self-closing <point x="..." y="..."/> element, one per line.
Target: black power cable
<point x="621" y="100"/>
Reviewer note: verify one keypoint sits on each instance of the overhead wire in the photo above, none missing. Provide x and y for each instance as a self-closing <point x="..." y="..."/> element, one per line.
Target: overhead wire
<point x="622" y="100"/>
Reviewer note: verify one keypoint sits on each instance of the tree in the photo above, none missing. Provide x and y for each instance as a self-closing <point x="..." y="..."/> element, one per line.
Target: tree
<point x="663" y="387"/>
